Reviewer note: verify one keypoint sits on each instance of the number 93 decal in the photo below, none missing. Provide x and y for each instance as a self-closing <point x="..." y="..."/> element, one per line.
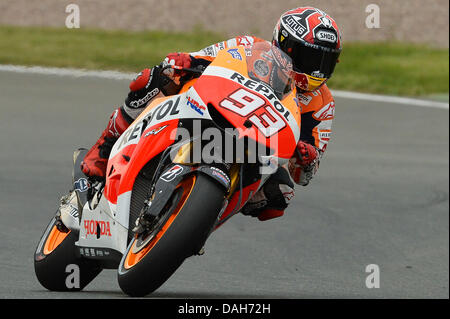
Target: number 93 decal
<point x="244" y="102"/>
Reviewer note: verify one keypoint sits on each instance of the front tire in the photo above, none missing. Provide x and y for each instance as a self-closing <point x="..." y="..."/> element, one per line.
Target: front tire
<point x="55" y="252"/>
<point x="198" y="200"/>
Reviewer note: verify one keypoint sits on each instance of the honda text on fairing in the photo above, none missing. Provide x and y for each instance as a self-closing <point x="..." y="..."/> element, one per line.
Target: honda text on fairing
<point x="158" y="204"/>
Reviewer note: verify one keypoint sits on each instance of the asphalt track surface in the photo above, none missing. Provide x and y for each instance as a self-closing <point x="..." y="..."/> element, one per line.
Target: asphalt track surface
<point x="381" y="197"/>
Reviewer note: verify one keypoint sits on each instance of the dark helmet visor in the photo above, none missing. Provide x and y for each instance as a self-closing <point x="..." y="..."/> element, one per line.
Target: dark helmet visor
<point x="312" y="60"/>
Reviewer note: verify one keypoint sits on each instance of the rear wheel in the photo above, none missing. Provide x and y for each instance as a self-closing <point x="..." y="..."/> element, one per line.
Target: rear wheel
<point x="153" y="257"/>
<point x="55" y="258"/>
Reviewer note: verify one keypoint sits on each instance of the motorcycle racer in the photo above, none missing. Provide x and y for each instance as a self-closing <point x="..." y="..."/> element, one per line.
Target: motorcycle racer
<point x="312" y="39"/>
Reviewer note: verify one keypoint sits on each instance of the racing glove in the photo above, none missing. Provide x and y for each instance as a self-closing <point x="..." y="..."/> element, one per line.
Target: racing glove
<point x="303" y="165"/>
<point x="178" y="61"/>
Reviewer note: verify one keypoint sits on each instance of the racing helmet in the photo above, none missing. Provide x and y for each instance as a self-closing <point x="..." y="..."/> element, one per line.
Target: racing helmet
<point x="313" y="41"/>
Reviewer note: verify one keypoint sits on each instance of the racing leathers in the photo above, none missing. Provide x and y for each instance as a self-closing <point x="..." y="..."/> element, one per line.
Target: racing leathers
<point x="317" y="112"/>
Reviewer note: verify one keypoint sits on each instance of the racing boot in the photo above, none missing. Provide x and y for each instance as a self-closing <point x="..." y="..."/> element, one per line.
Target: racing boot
<point x="273" y="198"/>
<point x="96" y="159"/>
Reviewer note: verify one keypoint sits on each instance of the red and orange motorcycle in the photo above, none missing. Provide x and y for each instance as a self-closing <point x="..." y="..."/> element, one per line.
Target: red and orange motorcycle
<point x="187" y="164"/>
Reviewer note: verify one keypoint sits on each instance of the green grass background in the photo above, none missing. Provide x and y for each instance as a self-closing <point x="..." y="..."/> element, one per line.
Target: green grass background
<point x="385" y="68"/>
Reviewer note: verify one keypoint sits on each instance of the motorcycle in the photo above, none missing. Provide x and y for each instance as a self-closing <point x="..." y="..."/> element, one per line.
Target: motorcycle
<point x="160" y="200"/>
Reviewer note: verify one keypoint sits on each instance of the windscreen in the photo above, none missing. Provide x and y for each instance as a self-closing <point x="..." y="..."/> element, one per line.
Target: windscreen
<point x="268" y="64"/>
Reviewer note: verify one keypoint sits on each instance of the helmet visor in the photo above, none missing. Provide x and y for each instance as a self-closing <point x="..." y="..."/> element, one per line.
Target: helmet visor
<point x="313" y="61"/>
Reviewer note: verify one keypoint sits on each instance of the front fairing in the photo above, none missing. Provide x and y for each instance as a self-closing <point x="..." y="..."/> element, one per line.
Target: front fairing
<point x="251" y="89"/>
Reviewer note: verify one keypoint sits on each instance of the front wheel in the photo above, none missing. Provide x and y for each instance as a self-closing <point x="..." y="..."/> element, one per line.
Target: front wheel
<point x="151" y="259"/>
<point x="55" y="258"/>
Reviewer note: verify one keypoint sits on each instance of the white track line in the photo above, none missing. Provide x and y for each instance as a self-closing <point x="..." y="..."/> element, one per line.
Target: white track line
<point x="389" y="99"/>
<point x="115" y="75"/>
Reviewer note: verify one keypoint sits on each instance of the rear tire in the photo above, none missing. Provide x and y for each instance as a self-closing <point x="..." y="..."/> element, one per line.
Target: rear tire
<point x="55" y="251"/>
<point x="183" y="235"/>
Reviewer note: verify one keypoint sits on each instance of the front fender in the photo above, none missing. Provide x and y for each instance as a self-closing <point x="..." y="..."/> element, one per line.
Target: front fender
<point x="154" y="140"/>
<point x="124" y="166"/>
